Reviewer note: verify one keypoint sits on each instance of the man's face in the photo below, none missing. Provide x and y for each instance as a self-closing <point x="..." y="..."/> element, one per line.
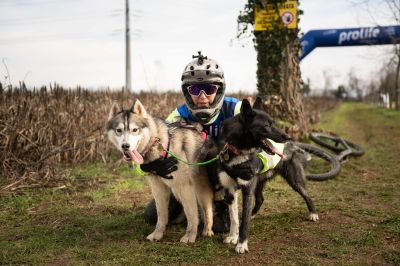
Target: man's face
<point x="203" y="94"/>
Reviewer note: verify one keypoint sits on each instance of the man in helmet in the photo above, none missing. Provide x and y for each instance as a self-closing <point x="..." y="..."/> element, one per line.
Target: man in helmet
<point x="203" y="86"/>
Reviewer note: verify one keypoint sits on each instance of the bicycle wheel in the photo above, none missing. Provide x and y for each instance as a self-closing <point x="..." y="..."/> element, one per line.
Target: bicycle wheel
<point x="333" y="162"/>
<point x="336" y="144"/>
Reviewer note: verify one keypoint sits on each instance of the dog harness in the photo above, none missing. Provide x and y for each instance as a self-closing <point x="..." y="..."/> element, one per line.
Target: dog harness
<point x="271" y="161"/>
<point x="164" y="147"/>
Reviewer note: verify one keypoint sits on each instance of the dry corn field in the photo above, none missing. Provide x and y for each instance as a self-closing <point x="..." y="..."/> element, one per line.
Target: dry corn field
<point x="43" y="130"/>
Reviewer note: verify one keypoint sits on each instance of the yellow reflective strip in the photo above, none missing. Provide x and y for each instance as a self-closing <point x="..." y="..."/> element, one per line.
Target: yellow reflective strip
<point x="173" y="117"/>
<point x="237" y="108"/>
<point x="264" y="159"/>
<point x="139" y="170"/>
<point x="270" y="161"/>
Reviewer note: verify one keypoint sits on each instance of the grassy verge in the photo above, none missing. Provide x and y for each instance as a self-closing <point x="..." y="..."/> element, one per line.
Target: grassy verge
<point x="97" y="217"/>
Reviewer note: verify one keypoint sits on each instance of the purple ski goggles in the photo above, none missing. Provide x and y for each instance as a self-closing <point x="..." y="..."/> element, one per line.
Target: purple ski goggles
<point x="208" y="89"/>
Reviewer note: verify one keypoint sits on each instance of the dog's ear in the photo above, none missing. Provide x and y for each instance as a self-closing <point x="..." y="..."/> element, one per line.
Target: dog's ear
<point x="138" y="108"/>
<point x="115" y="109"/>
<point x="258" y="104"/>
<point x="246" y="111"/>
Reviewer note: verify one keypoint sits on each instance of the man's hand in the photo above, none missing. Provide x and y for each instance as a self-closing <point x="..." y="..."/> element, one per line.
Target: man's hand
<point x="162" y="167"/>
<point x="245" y="170"/>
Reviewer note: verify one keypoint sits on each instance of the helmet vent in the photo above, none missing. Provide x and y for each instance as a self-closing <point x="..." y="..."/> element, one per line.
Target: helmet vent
<point x="216" y="66"/>
<point x="191" y="67"/>
<point x="208" y="66"/>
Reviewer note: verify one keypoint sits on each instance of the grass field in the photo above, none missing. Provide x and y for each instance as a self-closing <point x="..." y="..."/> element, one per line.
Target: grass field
<point x="97" y="216"/>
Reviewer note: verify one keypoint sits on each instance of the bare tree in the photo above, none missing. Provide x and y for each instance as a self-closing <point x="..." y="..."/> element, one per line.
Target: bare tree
<point x="327" y="82"/>
<point x="372" y="92"/>
<point x="355" y="84"/>
<point x="394" y="8"/>
<point x="387" y="81"/>
<point x="389" y="9"/>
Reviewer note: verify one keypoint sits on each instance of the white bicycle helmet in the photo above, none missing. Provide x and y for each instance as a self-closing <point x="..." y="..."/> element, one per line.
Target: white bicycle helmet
<point x="203" y="71"/>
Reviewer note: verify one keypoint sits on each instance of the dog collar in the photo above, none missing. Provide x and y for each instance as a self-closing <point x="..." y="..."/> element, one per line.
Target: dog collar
<point x="163" y="147"/>
<point x="203" y="135"/>
<point x="233" y="149"/>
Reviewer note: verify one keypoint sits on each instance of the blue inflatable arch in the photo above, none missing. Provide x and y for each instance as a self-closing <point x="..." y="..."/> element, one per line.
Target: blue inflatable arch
<point x="349" y="37"/>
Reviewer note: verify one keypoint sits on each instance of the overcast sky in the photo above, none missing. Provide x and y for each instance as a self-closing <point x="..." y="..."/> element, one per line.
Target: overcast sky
<point x="81" y="42"/>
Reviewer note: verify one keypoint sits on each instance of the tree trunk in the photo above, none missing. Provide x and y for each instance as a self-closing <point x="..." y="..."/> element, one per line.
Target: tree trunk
<point x="290" y="87"/>
<point x="278" y="72"/>
<point x="396" y="85"/>
<point x="278" y="79"/>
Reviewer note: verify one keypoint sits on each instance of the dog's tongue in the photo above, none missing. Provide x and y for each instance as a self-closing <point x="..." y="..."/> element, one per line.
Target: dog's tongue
<point x="274" y="150"/>
<point x="136" y="157"/>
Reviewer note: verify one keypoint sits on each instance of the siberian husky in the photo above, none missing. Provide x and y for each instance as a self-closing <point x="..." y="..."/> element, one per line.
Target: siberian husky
<point x="139" y="136"/>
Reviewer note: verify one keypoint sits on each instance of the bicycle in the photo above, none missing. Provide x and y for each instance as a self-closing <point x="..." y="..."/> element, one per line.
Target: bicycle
<point x="323" y="164"/>
<point x="342" y="147"/>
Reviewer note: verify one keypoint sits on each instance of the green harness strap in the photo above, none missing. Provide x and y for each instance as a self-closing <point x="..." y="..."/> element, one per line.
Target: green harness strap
<point x="186" y="162"/>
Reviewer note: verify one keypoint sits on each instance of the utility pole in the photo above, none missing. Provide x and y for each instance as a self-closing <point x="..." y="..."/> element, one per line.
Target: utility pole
<point x="128" y="82"/>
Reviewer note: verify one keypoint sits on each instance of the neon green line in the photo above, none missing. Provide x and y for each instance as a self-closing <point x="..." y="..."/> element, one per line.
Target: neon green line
<point x="198" y="164"/>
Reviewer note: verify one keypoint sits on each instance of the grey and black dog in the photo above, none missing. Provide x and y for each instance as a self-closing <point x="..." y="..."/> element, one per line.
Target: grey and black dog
<point x="242" y="138"/>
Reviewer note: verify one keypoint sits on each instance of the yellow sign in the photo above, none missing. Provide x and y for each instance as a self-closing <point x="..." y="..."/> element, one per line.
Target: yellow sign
<point x="287" y="11"/>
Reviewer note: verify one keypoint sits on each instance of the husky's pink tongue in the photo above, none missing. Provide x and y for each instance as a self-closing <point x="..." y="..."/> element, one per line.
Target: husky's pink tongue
<point x="136" y="157"/>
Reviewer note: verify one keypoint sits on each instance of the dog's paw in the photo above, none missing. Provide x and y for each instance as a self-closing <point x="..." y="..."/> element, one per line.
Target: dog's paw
<point x="242" y="247"/>
<point x="207" y="232"/>
<point x="313" y="217"/>
<point x="155" y="236"/>
<point x="231" y="239"/>
<point x="188" y="238"/>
